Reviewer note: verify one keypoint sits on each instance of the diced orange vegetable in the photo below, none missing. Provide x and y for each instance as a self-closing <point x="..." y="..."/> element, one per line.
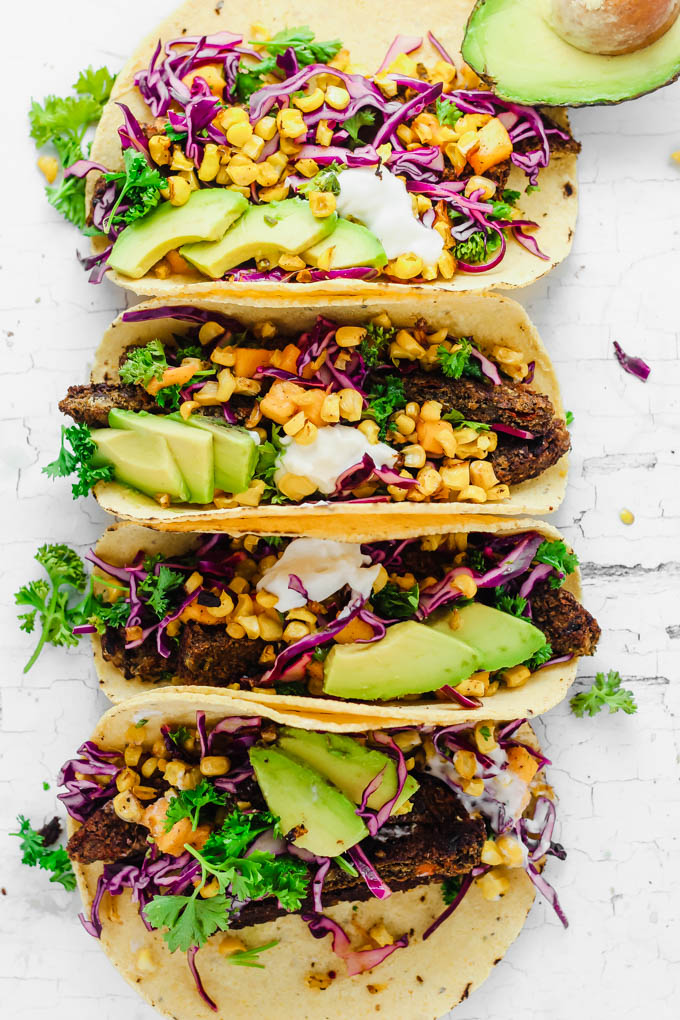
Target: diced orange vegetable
<point x="280" y="403"/>
<point x="177" y="263"/>
<point x="199" y="613"/>
<point x="427" y="868"/>
<point x="174" y="376"/>
<point x="494" y="146"/>
<point x="287" y="358"/>
<point x="248" y="359"/>
<point x="355" y="630"/>
<point x="522" y="763"/>
<point x="311" y="403"/>
<point x="429" y="433"/>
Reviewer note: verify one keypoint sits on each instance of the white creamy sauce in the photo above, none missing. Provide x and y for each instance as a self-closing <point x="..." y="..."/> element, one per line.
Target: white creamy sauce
<point x="383" y="204"/>
<point x="336" y="448"/>
<point x="505" y="789"/>
<point x="323" y="566"/>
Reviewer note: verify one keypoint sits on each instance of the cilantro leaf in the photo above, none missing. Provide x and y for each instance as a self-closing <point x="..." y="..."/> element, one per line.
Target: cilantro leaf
<point x="97" y="84"/>
<point x="460" y="422"/>
<point x="501" y="211"/>
<point x="188" y="804"/>
<point x="569" y="418"/>
<point x="540" y="657"/>
<point x="509" y="196"/>
<point x="325" y="180"/>
<point x="141" y="188"/>
<point x="179" y="736"/>
<point x="604" y="691"/>
<point x="450" y="888"/>
<point x="387" y="397"/>
<point x="374" y="345"/>
<point x="68" y="198"/>
<point x="108" y="614"/>
<point x="78" y="460"/>
<point x="143" y="364"/>
<point x="453" y="363"/>
<point x="34" y="853"/>
<point x="250" y="77"/>
<point x="353" y="125"/>
<point x="447" y="112"/>
<point x="157" y="588"/>
<point x="58" y="119"/>
<point x="393" y="602"/>
<point x="556" y="555"/>
<point x="512" y="604"/>
<point x="189" y="921"/>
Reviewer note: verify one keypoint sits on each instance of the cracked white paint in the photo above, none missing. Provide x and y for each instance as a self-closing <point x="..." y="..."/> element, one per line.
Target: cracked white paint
<point x="616" y="776"/>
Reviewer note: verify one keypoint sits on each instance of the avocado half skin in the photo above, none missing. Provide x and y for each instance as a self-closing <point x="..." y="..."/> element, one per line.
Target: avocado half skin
<point x="496" y="84"/>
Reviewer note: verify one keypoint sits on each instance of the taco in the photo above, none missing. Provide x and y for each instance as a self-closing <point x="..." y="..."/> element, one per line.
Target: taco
<point x="476" y="623"/>
<point x="198" y="843"/>
<point x="232" y="160"/>
<point x="444" y="404"/>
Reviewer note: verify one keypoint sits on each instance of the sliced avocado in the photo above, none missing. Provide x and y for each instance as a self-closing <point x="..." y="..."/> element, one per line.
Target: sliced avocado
<point x="512" y="46"/>
<point x="300" y="796"/>
<point x="501" y="640"/>
<point x="207" y="214"/>
<point x="352" y="245"/>
<point x="263" y="232"/>
<point x="192" y="449"/>
<point x="348" y="764"/>
<point x="141" y="460"/>
<point x="234" y="449"/>
<point x="411" y="659"/>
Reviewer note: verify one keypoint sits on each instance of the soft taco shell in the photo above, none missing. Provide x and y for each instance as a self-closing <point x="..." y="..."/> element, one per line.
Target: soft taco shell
<point x="421" y="982"/>
<point x="545" y="689"/>
<point x="367" y="31"/>
<point x="489" y="318"/>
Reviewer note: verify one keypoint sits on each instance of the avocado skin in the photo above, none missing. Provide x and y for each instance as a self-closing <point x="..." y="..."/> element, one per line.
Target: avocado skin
<point x="523" y="29"/>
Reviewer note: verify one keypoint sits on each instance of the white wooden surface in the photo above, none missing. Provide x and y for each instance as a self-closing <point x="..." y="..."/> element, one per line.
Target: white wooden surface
<point x="616" y="776"/>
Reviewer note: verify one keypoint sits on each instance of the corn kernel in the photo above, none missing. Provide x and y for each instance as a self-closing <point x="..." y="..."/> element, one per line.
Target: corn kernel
<point x="266" y="599"/>
<point x="493" y="885"/>
<point x="309" y="102"/>
<point x="473" y="493"/>
<point x="160" y="150"/>
<point x="266" y="128"/>
<point x="209" y="331"/>
<point x="149" y="767"/>
<point x="324" y="133"/>
<point x="330" y="409"/>
<point x="127" y="807"/>
<point x="485" y="738"/>
<point x="295" y="631"/>
<point x="210" y="164"/>
<point x="465" y="764"/>
<point x="232" y="115"/>
<point x="253" y="148"/>
<point x="483" y="184"/>
<point x="270" y="629"/>
<point x="229" y="945"/>
<point x="294" y="424"/>
<point x="321" y="203"/>
<point x="490" y="853"/>
<point x="295" y="487"/>
<point x="431" y="410"/>
<point x="225" y="608"/>
<point x="370" y="429"/>
<point x="177" y="191"/>
<point x="179" y="160"/>
<point x="303" y="614"/>
<point x="351" y="404"/>
<point x="474" y="686"/>
<point x="307" y="434"/>
<point x="275" y="194"/>
<point x="243" y="175"/>
<point x="510" y="850"/>
<point x="405" y="135"/>
<point x="626" y="516"/>
<point x="446" y="264"/>
<point x="144" y="961"/>
<point x="517" y="676"/>
<point x="381" y="580"/>
<point x="380" y="934"/>
<point x="429" y="481"/>
<point x="337" y="97"/>
<point x="135" y="734"/>
<point x="404" y="424"/>
<point x="465" y="584"/>
<point x="126" y="779"/>
<point x="132" y="756"/>
<point x="406" y="266"/>
<point x="49" y="167"/>
<point x="235" y="630"/>
<point x="290" y="123"/>
<point x="474" y="787"/>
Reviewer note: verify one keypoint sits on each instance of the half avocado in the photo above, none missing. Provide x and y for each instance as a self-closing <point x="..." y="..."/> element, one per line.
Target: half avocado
<point x="510" y="45"/>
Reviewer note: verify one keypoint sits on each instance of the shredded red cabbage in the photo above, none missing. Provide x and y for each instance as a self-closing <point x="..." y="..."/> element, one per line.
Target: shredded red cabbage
<point x="400" y="44"/>
<point x="634" y="366"/>
<point x="376" y="886"/>
<point x="463" y="700"/>
<point x="357" y="960"/>
<point x="191" y="960"/>
<point x="130" y="132"/>
<point x="512" y="431"/>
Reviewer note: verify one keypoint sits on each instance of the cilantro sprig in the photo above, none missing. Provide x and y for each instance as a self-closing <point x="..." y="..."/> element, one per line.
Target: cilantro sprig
<point x="478" y="246"/>
<point x="557" y="556"/>
<point x="140" y="186"/>
<point x="188" y="804"/>
<point x="539" y="658"/>
<point x="446" y="111"/>
<point x="78" y="460"/>
<point x="458" y="362"/>
<point x="605" y="690"/>
<point x="450" y="888"/>
<point x="250" y="77"/>
<point x="63" y="122"/>
<point x="156" y="589"/>
<point x="353" y="125"/>
<point x="34" y="853"/>
<point x="395" y="603"/>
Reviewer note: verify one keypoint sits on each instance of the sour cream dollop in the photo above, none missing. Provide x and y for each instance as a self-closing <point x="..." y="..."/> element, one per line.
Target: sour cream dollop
<point x="336" y="448"/>
<point x="383" y="204"/>
<point x="323" y="566"/>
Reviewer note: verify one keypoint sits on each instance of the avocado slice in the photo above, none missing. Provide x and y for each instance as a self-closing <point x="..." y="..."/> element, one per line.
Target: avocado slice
<point x="510" y="44"/>
<point x="352" y="245"/>
<point x="142" y="461"/>
<point x="501" y="640"/>
<point x="348" y="764"/>
<point x="192" y="449"/>
<point x="300" y="796"/>
<point x="234" y="449"/>
<point x="207" y="214"/>
<point x="263" y="232"/>
<point x="412" y="658"/>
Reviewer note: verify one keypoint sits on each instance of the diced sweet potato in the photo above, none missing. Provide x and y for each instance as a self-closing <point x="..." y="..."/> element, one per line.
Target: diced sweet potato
<point x="494" y="146"/>
<point x="287" y="358"/>
<point x="355" y="630"/>
<point x="249" y="359"/>
<point x="522" y="763"/>
<point x="311" y="403"/>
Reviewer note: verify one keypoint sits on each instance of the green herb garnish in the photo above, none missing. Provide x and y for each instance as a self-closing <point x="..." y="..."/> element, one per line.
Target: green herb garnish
<point x="373" y="347"/>
<point x="447" y="112"/>
<point x="34" y="853"/>
<point x="188" y="804"/>
<point x="157" y="588"/>
<point x="604" y="691"/>
<point x="387" y="397"/>
<point x="78" y="460"/>
<point x="395" y="603"/>
<point x="141" y="188"/>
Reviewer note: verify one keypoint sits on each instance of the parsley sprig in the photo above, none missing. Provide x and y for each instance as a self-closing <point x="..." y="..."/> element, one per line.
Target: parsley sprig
<point x="387" y="397"/>
<point x="374" y="345"/>
<point x="140" y="186"/>
<point x="605" y="690"/>
<point x="79" y="460"/>
<point x="34" y="853"/>
<point x="395" y="603"/>
<point x="459" y="362"/>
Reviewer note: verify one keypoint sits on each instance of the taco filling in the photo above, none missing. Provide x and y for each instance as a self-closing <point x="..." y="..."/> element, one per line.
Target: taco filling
<point x="217" y="829"/>
<point x="273" y="159"/>
<point x="227" y="417"/>
<point x="453" y="618"/>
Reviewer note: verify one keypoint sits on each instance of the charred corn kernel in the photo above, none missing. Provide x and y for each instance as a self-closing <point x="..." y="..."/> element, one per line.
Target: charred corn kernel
<point x="210" y="164"/>
<point x="307" y="167"/>
<point x="126" y="779"/>
<point x="239" y="585"/>
<point x="136" y="734"/>
<point x="229" y="945"/>
<point x="209" y="889"/>
<point x="253" y="148"/>
<point x="626" y="516"/>
<point x="485" y="737"/>
<point x="472" y="494"/>
<point x="209" y="331"/>
<point x="408" y="343"/>
<point x="267" y="655"/>
<point x="510" y="850"/>
<point x="330" y="409"/>
<point x="265" y="128"/>
<point x="270" y="629"/>
<point x="290" y="123"/>
<point x="303" y="614"/>
<point x="321" y="203"/>
<point x="482" y="474"/>
<point x="307" y="434"/>
<point x="247" y="387"/>
<point x="291" y="263"/>
<point x="405" y="267"/>
<point x="49" y="167"/>
<point x="235" y="630"/>
<point x="483" y="184"/>
<point x="465" y="584"/>
<point x="145" y="792"/>
<point x="490" y="853"/>
<point x="179" y="160"/>
<point x="516" y="676"/>
<point x="149" y="767"/>
<point x="190" y="779"/>
<point x="251" y="625"/>
<point x="190" y="177"/>
<point x="266" y="599"/>
<point x="324" y="133"/>
<point x="275" y="194"/>
<point x="405" y="135"/>
<point x="267" y="175"/>
<point x="232" y="115"/>
<point x="226" y="384"/>
<point x="174" y="771"/>
<point x="293" y="426"/>
<point x="431" y="410"/>
<point x="127" y="806"/>
<point x="429" y="480"/>
<point x="144" y="961"/>
<point x="404" y="424"/>
<point x="225" y="608"/>
<point x="295" y="487"/>
<point x="177" y="191"/>
<point x="194" y="581"/>
<point x="380" y="934"/>
<point x="351" y="404"/>
<point x="337" y="97"/>
<point x="474" y="787"/>
<point x="243" y="174"/>
<point x="295" y="631"/>
<point x="465" y="764"/>
<point x="160" y="150"/>
<point x="474" y="686"/>
<point x="493" y="885"/>
<point x="443" y="71"/>
<point x="387" y="86"/>
<point x="310" y="101"/>
<point x="446" y="264"/>
<point x="132" y="756"/>
<point x="381" y="580"/>
<point x="370" y="429"/>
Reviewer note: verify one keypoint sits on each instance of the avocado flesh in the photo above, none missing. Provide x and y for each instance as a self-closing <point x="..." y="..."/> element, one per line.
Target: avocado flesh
<point x="142" y="461"/>
<point x="512" y="46"/>
<point x="300" y="796"/>
<point x="263" y="232"/>
<point x="352" y="245"/>
<point x="412" y="658"/>
<point x="206" y="216"/>
<point x="192" y="450"/>
<point x="347" y="764"/>
<point x="501" y="640"/>
<point x="234" y="450"/>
